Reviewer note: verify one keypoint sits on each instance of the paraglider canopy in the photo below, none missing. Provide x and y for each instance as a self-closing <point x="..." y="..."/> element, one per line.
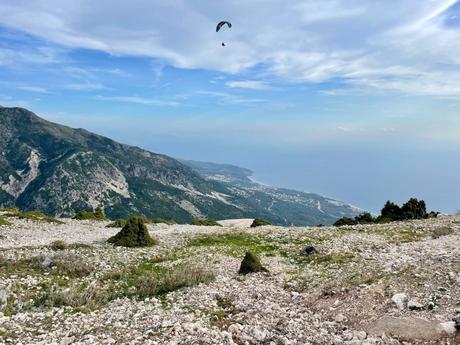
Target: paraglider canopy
<point x="221" y="24"/>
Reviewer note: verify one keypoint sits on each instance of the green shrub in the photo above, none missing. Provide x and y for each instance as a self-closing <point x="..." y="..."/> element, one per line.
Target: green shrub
<point x="96" y="214"/>
<point x="133" y="234"/>
<point x="58" y="245"/>
<point x="365" y="218"/>
<point x="163" y="221"/>
<point x="414" y="209"/>
<point x="345" y="221"/>
<point x="259" y="222"/>
<point x="205" y="222"/>
<point x="119" y="223"/>
<point x="84" y="215"/>
<point x="31" y="215"/>
<point x="251" y="264"/>
<point x="391" y="211"/>
<point x="99" y="213"/>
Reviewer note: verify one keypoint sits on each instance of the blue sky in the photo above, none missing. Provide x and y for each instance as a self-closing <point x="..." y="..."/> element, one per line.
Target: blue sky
<point x="357" y="100"/>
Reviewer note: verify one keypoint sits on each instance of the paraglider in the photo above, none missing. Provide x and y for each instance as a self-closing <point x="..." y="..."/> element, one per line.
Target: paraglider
<point x="220" y="25"/>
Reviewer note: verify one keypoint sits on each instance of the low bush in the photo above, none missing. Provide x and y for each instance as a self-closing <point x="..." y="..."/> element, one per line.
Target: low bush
<point x="412" y="209"/>
<point x="205" y="222"/>
<point x="251" y="264"/>
<point x="58" y="245"/>
<point x="133" y="234"/>
<point x="84" y="215"/>
<point x="259" y="222"/>
<point x="62" y="245"/>
<point x="345" y="221"/>
<point x="75" y="296"/>
<point x="31" y="215"/>
<point x="70" y="265"/>
<point x="163" y="221"/>
<point x="96" y="214"/>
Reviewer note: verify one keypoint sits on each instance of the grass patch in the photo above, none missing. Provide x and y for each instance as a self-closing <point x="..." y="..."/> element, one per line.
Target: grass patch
<point x="405" y="236"/>
<point x="4" y="222"/>
<point x="444" y="231"/>
<point x="77" y="296"/>
<point x="328" y="259"/>
<point x="70" y="265"/>
<point x="31" y="215"/>
<point x="236" y="243"/>
<point x="62" y="245"/>
<point x="148" y="279"/>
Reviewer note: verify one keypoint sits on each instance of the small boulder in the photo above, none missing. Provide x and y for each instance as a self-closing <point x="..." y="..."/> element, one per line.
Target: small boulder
<point x="414" y="305"/>
<point x="457" y="323"/>
<point x="309" y="250"/>
<point x="133" y="234"/>
<point x="47" y="262"/>
<point x="251" y="264"/>
<point x="400" y="299"/>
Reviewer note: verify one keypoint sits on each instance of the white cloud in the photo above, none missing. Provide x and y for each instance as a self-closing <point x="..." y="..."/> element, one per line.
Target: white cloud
<point x="228" y="98"/>
<point x="136" y="100"/>
<point x="248" y="84"/>
<point x="85" y="87"/>
<point x="397" y="46"/>
<point x="35" y="89"/>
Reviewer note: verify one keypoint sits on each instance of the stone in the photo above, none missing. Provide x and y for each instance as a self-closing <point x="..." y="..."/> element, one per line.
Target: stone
<point x="456" y="320"/>
<point x="340" y="318"/>
<point x="414" y="305"/>
<point x="47" y="262"/>
<point x="309" y="250"/>
<point x="448" y="327"/>
<point x="400" y="300"/>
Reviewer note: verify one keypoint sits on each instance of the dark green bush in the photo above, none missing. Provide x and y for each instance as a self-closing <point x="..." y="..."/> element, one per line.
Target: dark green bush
<point x="205" y="222"/>
<point x="84" y="215"/>
<point x="99" y="213"/>
<point x="345" y="221"/>
<point x="365" y="218"/>
<point x="133" y="234"/>
<point x="163" y="221"/>
<point x="414" y="209"/>
<point x="251" y="264"/>
<point x="391" y="211"/>
<point x="259" y="222"/>
<point x="96" y="214"/>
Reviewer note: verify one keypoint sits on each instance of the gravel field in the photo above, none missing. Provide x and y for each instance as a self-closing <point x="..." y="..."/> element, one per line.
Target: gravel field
<point x="395" y="283"/>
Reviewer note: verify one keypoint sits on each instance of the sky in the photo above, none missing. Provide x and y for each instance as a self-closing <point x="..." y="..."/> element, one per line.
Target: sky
<point x="353" y="99"/>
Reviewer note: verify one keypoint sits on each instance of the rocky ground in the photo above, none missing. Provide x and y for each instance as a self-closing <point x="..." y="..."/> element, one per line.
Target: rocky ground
<point x="397" y="283"/>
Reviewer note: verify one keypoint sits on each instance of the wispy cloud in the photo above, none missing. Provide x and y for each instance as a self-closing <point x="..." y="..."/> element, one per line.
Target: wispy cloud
<point x="86" y="87"/>
<point x="404" y="46"/>
<point x="136" y="100"/>
<point x="228" y="98"/>
<point x="35" y="89"/>
<point x="248" y="84"/>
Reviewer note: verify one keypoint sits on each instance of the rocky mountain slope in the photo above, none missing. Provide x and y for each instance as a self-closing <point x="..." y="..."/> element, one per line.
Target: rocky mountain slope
<point x="60" y="170"/>
<point x="387" y="284"/>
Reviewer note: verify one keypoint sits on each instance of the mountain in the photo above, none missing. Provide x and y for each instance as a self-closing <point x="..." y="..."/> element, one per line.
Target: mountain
<point x="285" y="206"/>
<point x="60" y="170"/>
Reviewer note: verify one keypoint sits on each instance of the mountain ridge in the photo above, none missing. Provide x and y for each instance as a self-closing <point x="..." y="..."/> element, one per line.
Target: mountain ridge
<point x="60" y="170"/>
